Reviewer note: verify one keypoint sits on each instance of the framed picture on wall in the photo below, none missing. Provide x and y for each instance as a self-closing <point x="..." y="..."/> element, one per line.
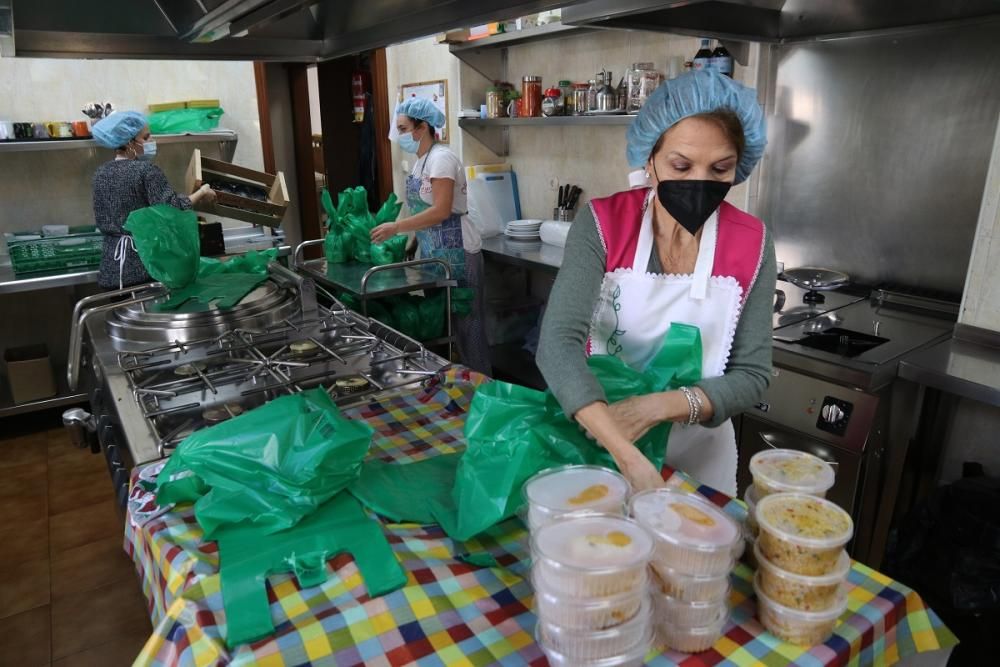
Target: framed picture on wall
<point x="436" y="92"/>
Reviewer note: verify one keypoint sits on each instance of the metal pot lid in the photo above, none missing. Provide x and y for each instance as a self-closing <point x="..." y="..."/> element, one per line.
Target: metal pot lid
<point x="814" y="278"/>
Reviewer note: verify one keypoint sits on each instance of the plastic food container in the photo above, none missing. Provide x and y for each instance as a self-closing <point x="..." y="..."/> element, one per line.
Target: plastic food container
<point x="597" y="644"/>
<point x="634" y="657"/>
<point x="670" y="610"/>
<point x="572" y="489"/>
<point x="692" y="535"/>
<point x="750" y="498"/>
<point x="806" y="628"/>
<point x="587" y="614"/>
<point x="591" y="556"/>
<point x="691" y="588"/>
<point x="790" y="471"/>
<point x="692" y="639"/>
<point x="799" y="591"/>
<point x="802" y="534"/>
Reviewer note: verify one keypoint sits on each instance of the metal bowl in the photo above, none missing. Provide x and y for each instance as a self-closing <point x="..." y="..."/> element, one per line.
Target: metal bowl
<point x="814" y="278"/>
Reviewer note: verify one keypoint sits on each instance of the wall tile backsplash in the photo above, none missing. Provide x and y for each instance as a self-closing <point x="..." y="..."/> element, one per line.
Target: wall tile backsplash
<point x="981" y="301"/>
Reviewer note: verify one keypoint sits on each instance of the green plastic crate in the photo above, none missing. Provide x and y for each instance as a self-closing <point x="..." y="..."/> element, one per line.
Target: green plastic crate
<point x="56" y="253"/>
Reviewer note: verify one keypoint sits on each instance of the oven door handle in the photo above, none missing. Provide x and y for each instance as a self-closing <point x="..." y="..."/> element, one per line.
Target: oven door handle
<point x="776" y="441"/>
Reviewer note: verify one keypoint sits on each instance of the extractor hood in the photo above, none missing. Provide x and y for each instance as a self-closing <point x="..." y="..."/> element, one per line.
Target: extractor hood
<point x="774" y="20"/>
<point x="291" y="30"/>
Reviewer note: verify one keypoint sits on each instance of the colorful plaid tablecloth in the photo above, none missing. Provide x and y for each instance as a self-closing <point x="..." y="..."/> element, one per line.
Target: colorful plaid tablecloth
<point x="451" y="612"/>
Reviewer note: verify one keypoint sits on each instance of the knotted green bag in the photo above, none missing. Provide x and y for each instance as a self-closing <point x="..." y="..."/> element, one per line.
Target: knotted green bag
<point x="513" y="432"/>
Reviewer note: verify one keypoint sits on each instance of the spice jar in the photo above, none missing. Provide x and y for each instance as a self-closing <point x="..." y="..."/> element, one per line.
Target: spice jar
<point x="567" y="94"/>
<point x="592" y="95"/>
<point x="552" y="104"/>
<point x="580" y="104"/>
<point x="531" y="93"/>
<point x="495" y="107"/>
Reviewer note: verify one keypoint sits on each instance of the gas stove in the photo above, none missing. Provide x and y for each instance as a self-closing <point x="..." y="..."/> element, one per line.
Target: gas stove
<point x="154" y="378"/>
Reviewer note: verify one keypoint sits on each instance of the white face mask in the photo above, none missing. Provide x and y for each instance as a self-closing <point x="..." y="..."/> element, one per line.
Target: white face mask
<point x="148" y="150"/>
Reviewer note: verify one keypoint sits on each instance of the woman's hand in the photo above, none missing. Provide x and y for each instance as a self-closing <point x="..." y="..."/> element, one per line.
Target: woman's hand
<point x="636" y="415"/>
<point x="203" y="196"/>
<point x="597" y="419"/>
<point x="384" y="232"/>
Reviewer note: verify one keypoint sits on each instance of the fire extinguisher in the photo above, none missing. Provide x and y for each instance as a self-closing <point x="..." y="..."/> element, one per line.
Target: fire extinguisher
<point x="360" y="86"/>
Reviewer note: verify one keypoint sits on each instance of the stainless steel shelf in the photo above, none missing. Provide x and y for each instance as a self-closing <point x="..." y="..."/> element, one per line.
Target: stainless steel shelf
<point x="71" y="144"/>
<point x="551" y="121"/>
<point x="64" y="397"/>
<point x="348" y="277"/>
<point x="503" y="40"/>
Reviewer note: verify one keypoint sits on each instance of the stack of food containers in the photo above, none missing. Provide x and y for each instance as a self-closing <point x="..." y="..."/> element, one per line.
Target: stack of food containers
<point x="799" y="551"/>
<point x="696" y="547"/>
<point x="590" y="578"/>
<point x="570" y="489"/>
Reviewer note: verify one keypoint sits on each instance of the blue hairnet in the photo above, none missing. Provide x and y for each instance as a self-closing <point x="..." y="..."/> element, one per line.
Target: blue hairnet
<point x="118" y="129"/>
<point x="697" y="92"/>
<point x="421" y="109"/>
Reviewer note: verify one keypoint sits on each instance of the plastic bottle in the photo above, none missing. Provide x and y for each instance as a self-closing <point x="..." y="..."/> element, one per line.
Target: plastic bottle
<point x="722" y="61"/>
<point x="703" y="59"/>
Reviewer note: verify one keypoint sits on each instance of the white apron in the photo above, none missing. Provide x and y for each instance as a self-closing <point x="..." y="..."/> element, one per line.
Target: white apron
<point x="634" y="312"/>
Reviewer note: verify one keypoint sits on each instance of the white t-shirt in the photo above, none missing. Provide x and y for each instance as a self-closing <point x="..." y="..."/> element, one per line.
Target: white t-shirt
<point x="440" y="162"/>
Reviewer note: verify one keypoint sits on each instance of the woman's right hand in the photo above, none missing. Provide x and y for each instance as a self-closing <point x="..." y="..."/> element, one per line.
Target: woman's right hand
<point x="600" y="423"/>
<point x="203" y="196"/>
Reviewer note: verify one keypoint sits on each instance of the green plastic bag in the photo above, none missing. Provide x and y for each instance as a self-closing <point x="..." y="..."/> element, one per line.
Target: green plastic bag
<point x="389" y="211"/>
<point x="406" y="314"/>
<point x="252" y="261"/>
<point x="513" y="432"/>
<point x="166" y="239"/>
<point x="216" y="290"/>
<point x="431" y="317"/>
<point x="179" y="121"/>
<point x="268" y="467"/>
<point x="391" y="251"/>
<point x="246" y="558"/>
<point x="338" y="246"/>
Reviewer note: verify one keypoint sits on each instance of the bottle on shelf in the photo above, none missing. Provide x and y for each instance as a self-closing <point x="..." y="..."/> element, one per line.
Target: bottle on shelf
<point x="703" y="59"/>
<point x="722" y="60"/>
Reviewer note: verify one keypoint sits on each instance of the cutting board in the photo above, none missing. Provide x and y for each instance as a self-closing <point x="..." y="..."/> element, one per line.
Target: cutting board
<point x="502" y="191"/>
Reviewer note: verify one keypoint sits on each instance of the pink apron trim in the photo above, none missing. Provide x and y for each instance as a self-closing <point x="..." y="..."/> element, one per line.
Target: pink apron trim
<point x="619" y="218"/>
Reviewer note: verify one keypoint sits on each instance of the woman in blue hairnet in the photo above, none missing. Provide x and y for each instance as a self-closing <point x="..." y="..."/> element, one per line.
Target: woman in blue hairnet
<point x="436" y="195"/>
<point x="640" y="260"/>
<point x="129" y="182"/>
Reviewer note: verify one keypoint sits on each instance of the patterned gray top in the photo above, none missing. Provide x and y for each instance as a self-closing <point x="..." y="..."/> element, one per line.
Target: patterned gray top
<point x="120" y="187"/>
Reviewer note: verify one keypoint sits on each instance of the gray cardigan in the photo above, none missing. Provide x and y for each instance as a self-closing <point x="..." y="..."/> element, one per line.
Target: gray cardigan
<point x="120" y="187"/>
<point x="561" y="351"/>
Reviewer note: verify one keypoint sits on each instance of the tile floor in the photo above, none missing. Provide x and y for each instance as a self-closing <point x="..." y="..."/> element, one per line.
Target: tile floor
<point x="69" y="596"/>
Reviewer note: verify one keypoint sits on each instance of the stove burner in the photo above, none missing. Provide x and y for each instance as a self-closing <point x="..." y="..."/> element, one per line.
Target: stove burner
<point x="844" y="342"/>
<point x="221" y="413"/>
<point x="351" y="385"/>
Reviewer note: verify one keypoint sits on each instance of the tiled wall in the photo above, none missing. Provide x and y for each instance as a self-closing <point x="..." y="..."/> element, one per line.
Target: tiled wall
<point x="981" y="301"/>
<point x="54" y="187"/>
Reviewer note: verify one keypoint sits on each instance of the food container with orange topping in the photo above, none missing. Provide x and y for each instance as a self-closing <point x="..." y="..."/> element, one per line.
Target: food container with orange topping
<point x="806" y="628"/>
<point x="688" y="587"/>
<point x="667" y="609"/>
<point x="691" y="639"/>
<point x="634" y="657"/>
<point x="802" y="534"/>
<point x="569" y="489"/>
<point x="693" y="536"/>
<point x="597" y="644"/>
<point x="587" y="613"/>
<point x="790" y="471"/>
<point x="799" y="591"/>
<point x="591" y="556"/>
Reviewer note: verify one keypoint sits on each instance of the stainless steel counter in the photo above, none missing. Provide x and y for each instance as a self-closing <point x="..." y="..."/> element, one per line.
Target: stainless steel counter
<point x="10" y="283"/>
<point x="530" y="254"/>
<point x="966" y="368"/>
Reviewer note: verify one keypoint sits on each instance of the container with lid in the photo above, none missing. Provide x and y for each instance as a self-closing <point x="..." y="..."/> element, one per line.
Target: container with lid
<point x="692" y="639"/>
<point x="790" y="471"/>
<point x="587" y="614"/>
<point x="591" y="556"/>
<point x="580" y="102"/>
<point x="802" y="534"/>
<point x="693" y="536"/>
<point x="690" y="587"/>
<point x="750" y="498"/>
<point x="634" y="657"/>
<point x="806" y="628"/>
<point x="667" y="609"/>
<point x="799" y="591"/>
<point x="558" y="491"/>
<point x="552" y="103"/>
<point x="531" y="93"/>
<point x="597" y="644"/>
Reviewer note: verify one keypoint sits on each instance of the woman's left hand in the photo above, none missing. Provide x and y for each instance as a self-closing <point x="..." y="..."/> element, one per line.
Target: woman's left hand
<point x="384" y="232"/>
<point x="636" y="415"/>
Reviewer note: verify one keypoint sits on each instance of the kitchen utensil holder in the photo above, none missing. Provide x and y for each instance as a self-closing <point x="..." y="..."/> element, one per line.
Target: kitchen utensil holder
<point x="563" y="214"/>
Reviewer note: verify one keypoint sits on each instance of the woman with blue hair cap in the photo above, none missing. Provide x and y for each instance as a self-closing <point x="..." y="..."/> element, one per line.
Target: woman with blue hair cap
<point x="129" y="182"/>
<point x="437" y="198"/>
<point x="639" y="260"/>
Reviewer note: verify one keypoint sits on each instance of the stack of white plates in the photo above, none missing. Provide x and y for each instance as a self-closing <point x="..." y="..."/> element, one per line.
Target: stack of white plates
<point x="523" y="230"/>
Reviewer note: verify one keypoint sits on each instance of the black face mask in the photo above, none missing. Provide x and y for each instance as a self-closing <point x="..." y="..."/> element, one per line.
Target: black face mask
<point x="691" y="202"/>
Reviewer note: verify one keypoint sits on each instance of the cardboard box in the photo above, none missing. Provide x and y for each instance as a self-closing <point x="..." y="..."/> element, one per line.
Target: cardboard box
<point x="29" y="373"/>
<point x="228" y="205"/>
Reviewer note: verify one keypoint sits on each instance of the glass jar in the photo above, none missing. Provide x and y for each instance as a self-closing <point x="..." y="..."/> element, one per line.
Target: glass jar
<point x="580" y="91"/>
<point x="552" y="104"/>
<point x="642" y="80"/>
<point x="495" y="107"/>
<point x="531" y="93"/>
<point x="567" y="94"/>
<point x="592" y="95"/>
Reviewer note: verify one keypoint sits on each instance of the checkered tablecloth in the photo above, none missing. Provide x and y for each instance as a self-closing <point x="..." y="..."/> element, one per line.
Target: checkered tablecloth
<point x="450" y="612"/>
